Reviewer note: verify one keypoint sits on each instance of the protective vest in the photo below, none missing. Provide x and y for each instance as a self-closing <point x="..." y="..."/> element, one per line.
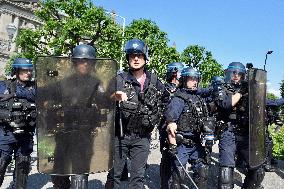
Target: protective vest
<point x="194" y="114"/>
<point x="239" y="114"/>
<point x="142" y="112"/>
<point x="16" y="113"/>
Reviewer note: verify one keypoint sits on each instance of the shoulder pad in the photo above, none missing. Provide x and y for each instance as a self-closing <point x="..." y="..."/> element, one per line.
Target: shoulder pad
<point x="181" y="95"/>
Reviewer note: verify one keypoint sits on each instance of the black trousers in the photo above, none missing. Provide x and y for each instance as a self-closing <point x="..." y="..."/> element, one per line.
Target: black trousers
<point x="137" y="149"/>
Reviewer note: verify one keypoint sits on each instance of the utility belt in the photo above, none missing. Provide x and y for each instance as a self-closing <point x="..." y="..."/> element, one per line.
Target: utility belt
<point x="186" y="140"/>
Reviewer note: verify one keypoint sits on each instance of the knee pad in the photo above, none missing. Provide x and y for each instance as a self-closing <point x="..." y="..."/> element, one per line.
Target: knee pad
<point x="254" y="178"/>
<point x="257" y="175"/>
<point x="226" y="175"/>
<point x="202" y="172"/>
<point x="79" y="181"/>
<point x="60" y="182"/>
<point x="4" y="162"/>
<point x="22" y="170"/>
<point x="23" y="163"/>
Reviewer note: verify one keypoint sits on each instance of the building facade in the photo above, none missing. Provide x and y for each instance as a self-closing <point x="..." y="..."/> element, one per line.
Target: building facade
<point x="14" y="15"/>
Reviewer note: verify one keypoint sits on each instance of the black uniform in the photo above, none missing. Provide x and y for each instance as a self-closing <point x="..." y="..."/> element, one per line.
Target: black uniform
<point x="165" y="165"/>
<point x="139" y="115"/>
<point x="17" y="126"/>
<point x="234" y="142"/>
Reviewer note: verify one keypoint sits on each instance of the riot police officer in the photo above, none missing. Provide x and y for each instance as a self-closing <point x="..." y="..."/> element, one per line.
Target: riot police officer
<point x="273" y="117"/>
<point x="17" y="124"/>
<point x="74" y="147"/>
<point x="187" y="118"/>
<point x="139" y="93"/>
<point x="234" y="139"/>
<point x="172" y="77"/>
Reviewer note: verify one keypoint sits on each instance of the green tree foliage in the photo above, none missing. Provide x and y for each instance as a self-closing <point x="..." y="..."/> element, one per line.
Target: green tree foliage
<point x="271" y="96"/>
<point x="198" y="57"/>
<point x="160" y="53"/>
<point x="278" y="140"/>
<point x="282" y="88"/>
<point x="65" y="24"/>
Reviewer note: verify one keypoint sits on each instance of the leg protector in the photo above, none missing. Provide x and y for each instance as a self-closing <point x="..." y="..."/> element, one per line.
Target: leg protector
<point x="79" y="181"/>
<point x="178" y="179"/>
<point x="60" y="182"/>
<point x="268" y="166"/>
<point x="254" y="178"/>
<point x="226" y="175"/>
<point x="110" y="182"/>
<point x="200" y="176"/>
<point x="4" y="162"/>
<point x="22" y="170"/>
<point x="165" y="170"/>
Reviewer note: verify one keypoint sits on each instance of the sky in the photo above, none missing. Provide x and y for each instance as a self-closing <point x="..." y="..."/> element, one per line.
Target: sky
<point x="233" y="30"/>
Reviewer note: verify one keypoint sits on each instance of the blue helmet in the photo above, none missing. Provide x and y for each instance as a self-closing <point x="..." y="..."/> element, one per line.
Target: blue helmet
<point x="235" y="68"/>
<point x="174" y="67"/>
<point x="84" y="51"/>
<point x="136" y="46"/>
<point x="21" y="63"/>
<point x="217" y="80"/>
<point x="189" y="72"/>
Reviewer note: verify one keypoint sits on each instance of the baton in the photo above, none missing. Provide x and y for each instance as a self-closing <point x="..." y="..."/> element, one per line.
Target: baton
<point x="186" y="173"/>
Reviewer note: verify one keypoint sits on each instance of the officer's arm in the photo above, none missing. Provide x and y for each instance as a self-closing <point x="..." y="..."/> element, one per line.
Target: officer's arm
<point x="172" y="114"/>
<point x="2" y="87"/>
<point x="118" y="94"/>
<point x="21" y="92"/>
<point x="204" y="92"/>
<point x="172" y="129"/>
<point x="236" y="98"/>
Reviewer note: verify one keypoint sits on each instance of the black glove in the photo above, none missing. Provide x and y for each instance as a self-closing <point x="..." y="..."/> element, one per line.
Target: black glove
<point x="172" y="150"/>
<point x="243" y="88"/>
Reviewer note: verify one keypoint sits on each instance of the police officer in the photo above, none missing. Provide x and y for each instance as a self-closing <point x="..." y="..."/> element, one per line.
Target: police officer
<point x="75" y="149"/>
<point x="17" y="124"/>
<point x="172" y="77"/>
<point x="234" y="139"/>
<point x="139" y="93"/>
<point x="272" y="118"/>
<point x="187" y="118"/>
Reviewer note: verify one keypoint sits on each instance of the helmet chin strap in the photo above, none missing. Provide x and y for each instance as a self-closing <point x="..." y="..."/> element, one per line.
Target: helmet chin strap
<point x="136" y="69"/>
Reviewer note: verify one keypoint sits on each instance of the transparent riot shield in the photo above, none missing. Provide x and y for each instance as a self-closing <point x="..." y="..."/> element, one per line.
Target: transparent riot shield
<point x="257" y="104"/>
<point x="75" y="122"/>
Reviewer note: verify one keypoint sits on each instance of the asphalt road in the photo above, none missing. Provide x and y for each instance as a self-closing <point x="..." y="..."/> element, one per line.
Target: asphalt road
<point x="273" y="180"/>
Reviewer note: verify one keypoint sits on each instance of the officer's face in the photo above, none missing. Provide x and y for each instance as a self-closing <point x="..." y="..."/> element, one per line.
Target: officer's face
<point x="136" y="61"/>
<point x="236" y="76"/>
<point x="25" y="74"/>
<point x="192" y="83"/>
<point x="83" y="66"/>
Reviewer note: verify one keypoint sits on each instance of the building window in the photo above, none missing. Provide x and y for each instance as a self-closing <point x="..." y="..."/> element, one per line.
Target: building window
<point x="13" y="18"/>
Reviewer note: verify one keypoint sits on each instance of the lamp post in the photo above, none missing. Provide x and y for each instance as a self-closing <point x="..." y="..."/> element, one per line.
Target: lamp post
<point x="11" y="30"/>
<point x="123" y="29"/>
<point x="268" y="52"/>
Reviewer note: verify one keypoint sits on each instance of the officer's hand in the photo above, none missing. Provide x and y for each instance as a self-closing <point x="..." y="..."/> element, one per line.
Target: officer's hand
<point x="172" y="129"/>
<point x="120" y="96"/>
<point x="244" y="88"/>
<point x="172" y="150"/>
